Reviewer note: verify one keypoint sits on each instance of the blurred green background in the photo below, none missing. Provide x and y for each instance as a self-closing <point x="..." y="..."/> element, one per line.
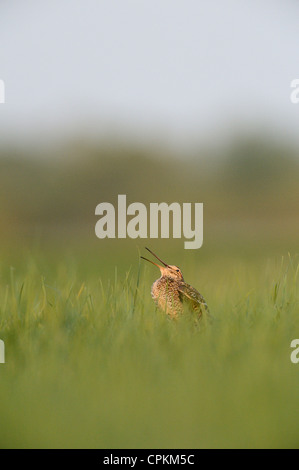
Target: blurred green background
<point x="249" y="191"/>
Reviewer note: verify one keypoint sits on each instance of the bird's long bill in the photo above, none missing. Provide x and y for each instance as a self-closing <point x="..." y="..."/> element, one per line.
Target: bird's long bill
<point x="151" y="262"/>
<point x="155" y="256"/>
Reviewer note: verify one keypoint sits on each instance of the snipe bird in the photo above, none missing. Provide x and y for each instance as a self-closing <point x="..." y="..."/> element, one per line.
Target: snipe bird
<point x="171" y="293"/>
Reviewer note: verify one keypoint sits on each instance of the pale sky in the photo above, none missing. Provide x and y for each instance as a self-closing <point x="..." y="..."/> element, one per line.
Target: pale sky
<point x="175" y="69"/>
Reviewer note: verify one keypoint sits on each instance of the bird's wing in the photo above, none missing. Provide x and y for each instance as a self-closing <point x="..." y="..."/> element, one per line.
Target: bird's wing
<point x="193" y="298"/>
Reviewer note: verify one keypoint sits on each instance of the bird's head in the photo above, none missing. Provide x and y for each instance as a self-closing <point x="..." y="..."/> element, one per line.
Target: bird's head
<point x="167" y="270"/>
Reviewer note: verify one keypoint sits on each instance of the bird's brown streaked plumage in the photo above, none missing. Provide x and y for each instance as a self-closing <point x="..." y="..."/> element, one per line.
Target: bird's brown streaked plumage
<point x="171" y="292"/>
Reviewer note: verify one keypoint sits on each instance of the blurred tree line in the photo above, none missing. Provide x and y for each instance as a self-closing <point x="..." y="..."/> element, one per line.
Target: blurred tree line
<point x="250" y="179"/>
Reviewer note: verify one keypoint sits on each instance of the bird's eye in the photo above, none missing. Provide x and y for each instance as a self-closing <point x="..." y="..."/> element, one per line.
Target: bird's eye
<point x="177" y="270"/>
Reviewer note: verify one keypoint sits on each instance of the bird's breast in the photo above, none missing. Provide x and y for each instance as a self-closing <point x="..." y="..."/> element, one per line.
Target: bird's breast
<point x="166" y="295"/>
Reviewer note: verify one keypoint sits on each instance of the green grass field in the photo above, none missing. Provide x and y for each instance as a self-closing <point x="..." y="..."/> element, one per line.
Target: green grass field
<point x="90" y="363"/>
